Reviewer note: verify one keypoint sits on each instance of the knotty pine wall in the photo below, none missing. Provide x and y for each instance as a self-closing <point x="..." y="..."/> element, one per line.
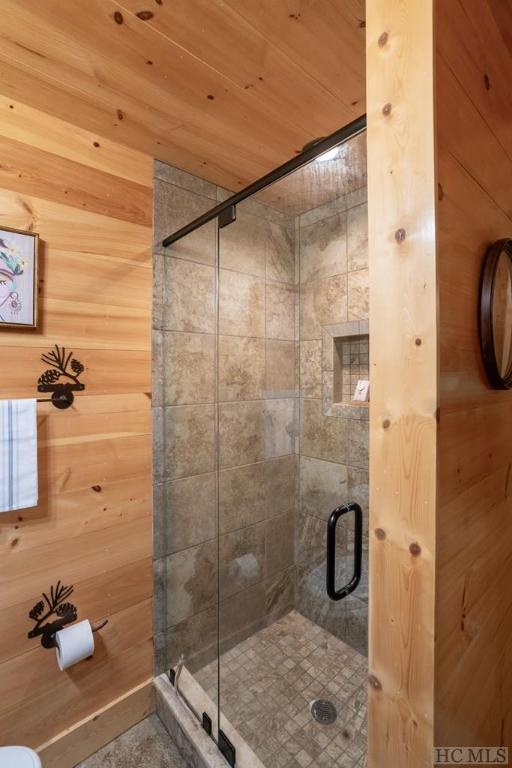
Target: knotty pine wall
<point x="90" y="200"/>
<point x="473" y="659"/>
<point x="403" y="372"/>
<point x="439" y="193"/>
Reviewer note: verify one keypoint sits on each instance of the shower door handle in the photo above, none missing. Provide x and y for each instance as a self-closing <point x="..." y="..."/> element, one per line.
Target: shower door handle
<point x="339" y="594"/>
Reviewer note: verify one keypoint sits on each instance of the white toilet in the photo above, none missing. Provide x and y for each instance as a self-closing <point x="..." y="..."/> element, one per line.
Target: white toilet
<point x="18" y="757"/>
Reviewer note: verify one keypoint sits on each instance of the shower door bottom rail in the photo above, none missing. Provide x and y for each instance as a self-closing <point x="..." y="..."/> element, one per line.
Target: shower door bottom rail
<point x="223" y="743"/>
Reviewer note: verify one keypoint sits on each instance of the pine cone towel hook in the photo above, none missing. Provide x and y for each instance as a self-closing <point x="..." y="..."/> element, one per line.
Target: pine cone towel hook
<point x="62" y="378"/>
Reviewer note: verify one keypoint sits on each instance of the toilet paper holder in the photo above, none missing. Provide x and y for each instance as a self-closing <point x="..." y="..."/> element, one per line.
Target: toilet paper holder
<point x="55" y="604"/>
<point x="48" y="635"/>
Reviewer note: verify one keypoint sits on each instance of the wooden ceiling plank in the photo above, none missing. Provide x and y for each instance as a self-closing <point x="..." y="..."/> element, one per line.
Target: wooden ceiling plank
<point x="327" y="39"/>
<point x="25" y="124"/>
<point x="21" y="80"/>
<point x="96" y="92"/>
<point x="175" y="83"/>
<point x="93" y="63"/>
<point x="171" y="152"/>
<point x="213" y="33"/>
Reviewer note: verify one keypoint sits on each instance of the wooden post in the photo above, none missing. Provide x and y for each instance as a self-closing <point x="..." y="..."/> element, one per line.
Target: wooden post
<point x="403" y="409"/>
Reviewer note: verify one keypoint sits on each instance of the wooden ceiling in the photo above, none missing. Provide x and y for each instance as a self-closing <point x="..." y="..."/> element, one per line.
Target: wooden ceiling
<point x="226" y="89"/>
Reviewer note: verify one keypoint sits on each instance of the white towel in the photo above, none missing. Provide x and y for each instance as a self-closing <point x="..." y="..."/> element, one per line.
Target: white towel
<point x="18" y="454"/>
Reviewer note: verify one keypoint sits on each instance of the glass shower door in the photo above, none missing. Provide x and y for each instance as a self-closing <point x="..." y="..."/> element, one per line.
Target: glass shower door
<point x="258" y="427"/>
<point x="264" y="342"/>
<point x="292" y="447"/>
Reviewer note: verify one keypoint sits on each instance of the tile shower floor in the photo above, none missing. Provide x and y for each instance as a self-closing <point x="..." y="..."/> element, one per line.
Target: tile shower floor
<point x="268" y="682"/>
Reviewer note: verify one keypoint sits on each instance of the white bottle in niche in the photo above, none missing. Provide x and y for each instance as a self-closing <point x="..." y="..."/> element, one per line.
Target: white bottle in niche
<point x="362" y="390"/>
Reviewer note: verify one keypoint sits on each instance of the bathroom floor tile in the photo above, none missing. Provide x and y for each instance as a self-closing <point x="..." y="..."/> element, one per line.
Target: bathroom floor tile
<point x="268" y="682"/>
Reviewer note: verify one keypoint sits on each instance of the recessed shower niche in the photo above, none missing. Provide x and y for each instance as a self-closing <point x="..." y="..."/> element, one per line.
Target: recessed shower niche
<point x="345" y="351"/>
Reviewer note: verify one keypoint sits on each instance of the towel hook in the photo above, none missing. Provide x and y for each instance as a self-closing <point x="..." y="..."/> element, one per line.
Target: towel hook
<point x="62" y="379"/>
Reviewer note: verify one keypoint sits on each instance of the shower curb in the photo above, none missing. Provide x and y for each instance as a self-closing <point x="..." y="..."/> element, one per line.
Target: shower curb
<point x="196" y="747"/>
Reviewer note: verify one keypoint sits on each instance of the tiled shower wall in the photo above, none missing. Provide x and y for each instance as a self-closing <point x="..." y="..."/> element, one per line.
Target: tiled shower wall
<point x="333" y="443"/>
<point x="184" y="321"/>
<point x="254" y="401"/>
<point x="271" y="553"/>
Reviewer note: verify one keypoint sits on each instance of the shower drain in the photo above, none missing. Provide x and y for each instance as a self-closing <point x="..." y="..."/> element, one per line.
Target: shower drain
<point x="323" y="711"/>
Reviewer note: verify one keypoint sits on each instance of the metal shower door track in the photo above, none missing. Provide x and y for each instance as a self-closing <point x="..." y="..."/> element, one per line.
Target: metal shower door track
<point x="311" y="151"/>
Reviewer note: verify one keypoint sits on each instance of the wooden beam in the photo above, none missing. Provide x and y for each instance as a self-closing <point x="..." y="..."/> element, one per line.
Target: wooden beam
<point x="403" y="364"/>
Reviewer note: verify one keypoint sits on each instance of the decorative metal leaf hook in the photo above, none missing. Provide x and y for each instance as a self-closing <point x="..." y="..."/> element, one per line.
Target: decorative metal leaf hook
<point x="53" y="605"/>
<point x="62" y="379"/>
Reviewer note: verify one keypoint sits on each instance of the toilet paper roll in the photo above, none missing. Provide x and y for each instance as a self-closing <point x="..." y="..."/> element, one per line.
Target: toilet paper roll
<point x="74" y="643"/>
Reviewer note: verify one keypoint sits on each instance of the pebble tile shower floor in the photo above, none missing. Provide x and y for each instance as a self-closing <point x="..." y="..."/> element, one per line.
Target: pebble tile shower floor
<point x="268" y="682"/>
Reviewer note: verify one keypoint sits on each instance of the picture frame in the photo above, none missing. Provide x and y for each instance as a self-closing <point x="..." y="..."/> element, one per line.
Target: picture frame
<point x="18" y="278"/>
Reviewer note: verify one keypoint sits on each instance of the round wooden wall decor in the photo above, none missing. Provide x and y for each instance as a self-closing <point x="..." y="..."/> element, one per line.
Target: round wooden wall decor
<point x="496" y="314"/>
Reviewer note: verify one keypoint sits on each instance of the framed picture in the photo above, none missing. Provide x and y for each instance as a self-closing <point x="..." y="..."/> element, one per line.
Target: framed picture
<point x="18" y="278"/>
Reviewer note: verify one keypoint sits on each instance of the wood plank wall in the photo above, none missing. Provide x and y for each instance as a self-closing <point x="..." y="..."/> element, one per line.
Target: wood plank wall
<point x="473" y="671"/>
<point x="403" y="365"/>
<point x="91" y="202"/>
